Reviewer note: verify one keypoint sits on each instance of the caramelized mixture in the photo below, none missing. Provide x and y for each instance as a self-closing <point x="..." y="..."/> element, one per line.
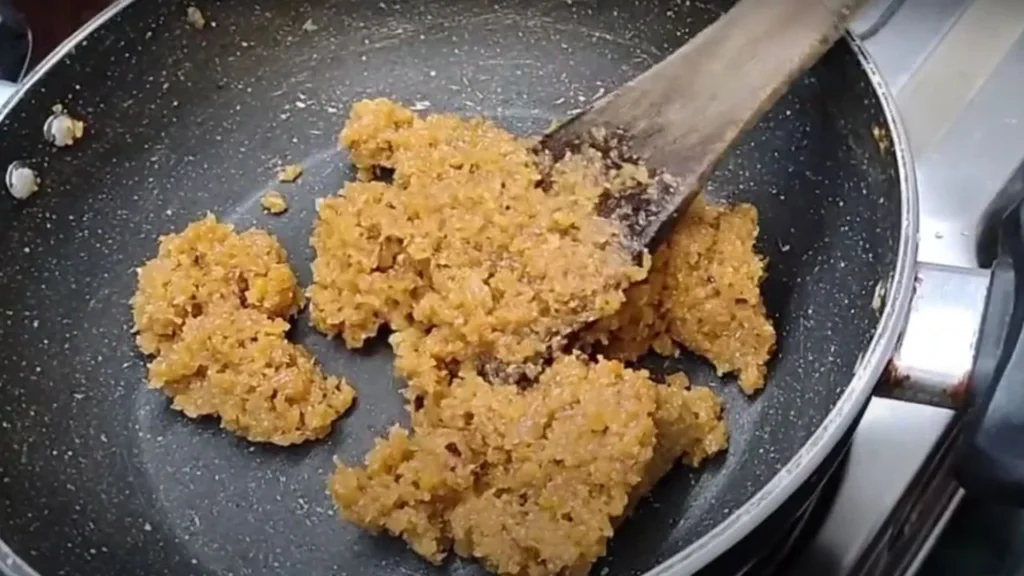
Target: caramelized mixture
<point x="484" y="257"/>
<point x="530" y="482"/>
<point x="703" y="293"/>
<point x="481" y="253"/>
<point x="212" y="309"/>
<point x="463" y="254"/>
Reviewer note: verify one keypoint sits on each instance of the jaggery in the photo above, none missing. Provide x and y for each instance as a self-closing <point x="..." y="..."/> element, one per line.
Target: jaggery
<point x="530" y="481"/>
<point x="464" y="245"/>
<point x="212" y="311"/>
<point x="702" y="293"/>
<point x="472" y="245"/>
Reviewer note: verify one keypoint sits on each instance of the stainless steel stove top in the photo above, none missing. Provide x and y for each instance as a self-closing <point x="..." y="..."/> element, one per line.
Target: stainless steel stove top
<point x="957" y="70"/>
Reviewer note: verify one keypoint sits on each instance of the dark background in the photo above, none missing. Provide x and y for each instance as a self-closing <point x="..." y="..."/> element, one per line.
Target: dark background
<point x="53" y="20"/>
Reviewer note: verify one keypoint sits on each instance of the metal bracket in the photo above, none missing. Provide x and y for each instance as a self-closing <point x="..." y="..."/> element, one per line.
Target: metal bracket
<point x="936" y="352"/>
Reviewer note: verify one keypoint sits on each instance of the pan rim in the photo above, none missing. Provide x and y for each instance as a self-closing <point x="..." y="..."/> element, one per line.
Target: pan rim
<point x="869" y="369"/>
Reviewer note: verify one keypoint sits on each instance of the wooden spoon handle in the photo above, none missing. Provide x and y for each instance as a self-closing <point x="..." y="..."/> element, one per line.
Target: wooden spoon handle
<point x="685" y="112"/>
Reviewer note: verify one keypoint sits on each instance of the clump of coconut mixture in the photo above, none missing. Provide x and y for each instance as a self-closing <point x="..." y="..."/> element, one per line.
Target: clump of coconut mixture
<point x="212" y="309"/>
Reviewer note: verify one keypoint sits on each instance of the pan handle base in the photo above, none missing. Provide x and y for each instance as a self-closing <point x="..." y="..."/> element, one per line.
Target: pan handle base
<point x="990" y="458"/>
<point x="936" y="350"/>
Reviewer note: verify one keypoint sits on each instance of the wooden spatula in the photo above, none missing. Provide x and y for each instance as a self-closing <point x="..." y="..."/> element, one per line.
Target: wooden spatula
<point x="682" y="115"/>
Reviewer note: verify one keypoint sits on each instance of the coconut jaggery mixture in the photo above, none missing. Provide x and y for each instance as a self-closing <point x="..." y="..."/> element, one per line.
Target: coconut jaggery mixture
<point x="530" y="482"/>
<point x="463" y="249"/>
<point x="212" y="309"/>
<point x="702" y="293"/>
<point x="481" y="250"/>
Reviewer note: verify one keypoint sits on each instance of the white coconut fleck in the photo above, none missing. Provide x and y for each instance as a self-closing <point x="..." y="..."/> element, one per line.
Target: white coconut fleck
<point x="420" y="105"/>
<point x="308" y="26"/>
<point x="22" y="181"/>
<point x="62" y="129"/>
<point x="195" y="17"/>
<point x="878" y="300"/>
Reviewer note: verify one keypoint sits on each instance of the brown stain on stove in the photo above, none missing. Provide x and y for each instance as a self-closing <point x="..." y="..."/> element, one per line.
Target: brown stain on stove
<point x="958" y="392"/>
<point x="892" y="377"/>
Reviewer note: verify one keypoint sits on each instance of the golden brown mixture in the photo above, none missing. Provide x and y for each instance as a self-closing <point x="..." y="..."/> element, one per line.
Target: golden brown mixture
<point x="480" y="249"/>
<point x="212" y="309"/>
<point x="463" y="254"/>
<point x="273" y="202"/>
<point x="531" y="482"/>
<point x="703" y="292"/>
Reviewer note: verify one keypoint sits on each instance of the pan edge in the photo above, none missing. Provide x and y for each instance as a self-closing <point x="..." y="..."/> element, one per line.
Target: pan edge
<point x="870" y="367"/>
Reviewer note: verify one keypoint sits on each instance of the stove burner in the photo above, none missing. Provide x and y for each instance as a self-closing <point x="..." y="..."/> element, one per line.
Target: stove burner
<point x="780" y="559"/>
<point x="771" y="548"/>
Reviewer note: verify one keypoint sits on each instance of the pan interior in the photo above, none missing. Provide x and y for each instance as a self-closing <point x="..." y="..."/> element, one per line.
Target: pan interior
<point x="98" y="476"/>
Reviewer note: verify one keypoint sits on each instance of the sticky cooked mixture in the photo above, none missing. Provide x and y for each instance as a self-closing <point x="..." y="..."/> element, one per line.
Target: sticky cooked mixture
<point x="212" y="309"/>
<point x="206" y="264"/>
<point x="464" y="248"/>
<point x="703" y="293"/>
<point x="237" y="364"/>
<point x="530" y="481"/>
<point x="479" y="253"/>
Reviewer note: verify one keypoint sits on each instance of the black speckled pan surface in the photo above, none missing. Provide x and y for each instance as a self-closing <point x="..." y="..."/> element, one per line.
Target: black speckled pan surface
<point x="99" y="477"/>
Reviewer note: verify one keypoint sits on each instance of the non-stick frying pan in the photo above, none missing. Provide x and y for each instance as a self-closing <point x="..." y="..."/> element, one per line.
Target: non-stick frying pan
<point x="98" y="476"/>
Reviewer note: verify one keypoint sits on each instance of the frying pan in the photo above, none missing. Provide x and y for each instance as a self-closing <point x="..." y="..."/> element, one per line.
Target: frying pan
<point x="98" y="476"/>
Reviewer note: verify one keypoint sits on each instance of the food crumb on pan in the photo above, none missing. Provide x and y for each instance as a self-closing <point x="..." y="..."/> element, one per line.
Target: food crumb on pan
<point x="274" y="202"/>
<point x="21" y="181"/>
<point x="61" y="129"/>
<point x="195" y="17"/>
<point x="212" y="311"/>
<point x="882" y="137"/>
<point x="289" y="173"/>
<point x="878" y="298"/>
<point x="308" y="26"/>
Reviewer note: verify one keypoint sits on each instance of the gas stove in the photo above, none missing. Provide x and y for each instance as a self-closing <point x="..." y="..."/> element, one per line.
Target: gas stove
<point x="956" y="68"/>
